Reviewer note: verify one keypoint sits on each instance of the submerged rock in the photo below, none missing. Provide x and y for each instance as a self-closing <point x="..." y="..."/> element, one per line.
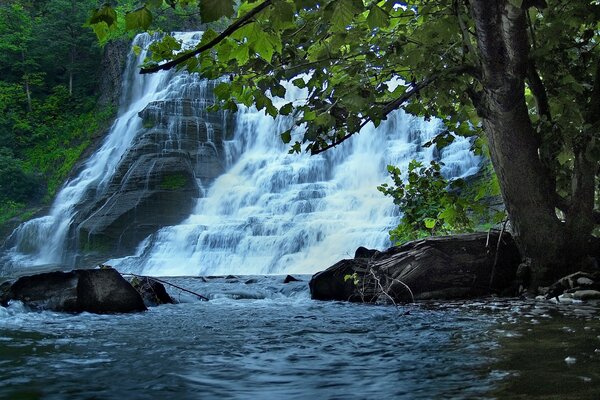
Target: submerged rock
<point x="448" y="267"/>
<point x="290" y="278"/>
<point x="97" y="291"/>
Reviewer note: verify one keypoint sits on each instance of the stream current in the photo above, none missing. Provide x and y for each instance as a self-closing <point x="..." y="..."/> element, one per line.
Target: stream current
<point x="260" y="338"/>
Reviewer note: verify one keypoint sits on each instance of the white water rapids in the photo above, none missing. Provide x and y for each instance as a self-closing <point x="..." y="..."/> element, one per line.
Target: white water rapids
<point x="270" y="212"/>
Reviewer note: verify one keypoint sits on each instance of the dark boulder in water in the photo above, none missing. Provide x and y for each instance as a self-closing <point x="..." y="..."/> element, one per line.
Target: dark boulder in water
<point x="445" y="267"/>
<point x="99" y="291"/>
<point x="290" y="278"/>
<point x="152" y="291"/>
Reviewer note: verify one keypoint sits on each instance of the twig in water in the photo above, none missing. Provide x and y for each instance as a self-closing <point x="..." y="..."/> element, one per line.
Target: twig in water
<point x="497" y="252"/>
<point x="381" y="287"/>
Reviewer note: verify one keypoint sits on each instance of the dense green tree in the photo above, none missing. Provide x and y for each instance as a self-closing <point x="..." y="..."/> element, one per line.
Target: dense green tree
<point x="48" y="67"/>
<point x="66" y="38"/>
<point x="524" y="75"/>
<point x="16" y="35"/>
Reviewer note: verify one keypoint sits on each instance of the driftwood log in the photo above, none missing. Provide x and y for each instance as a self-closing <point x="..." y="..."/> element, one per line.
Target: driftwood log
<point x="447" y="267"/>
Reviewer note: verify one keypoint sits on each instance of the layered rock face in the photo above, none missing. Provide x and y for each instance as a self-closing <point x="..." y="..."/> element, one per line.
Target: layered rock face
<point x="179" y="151"/>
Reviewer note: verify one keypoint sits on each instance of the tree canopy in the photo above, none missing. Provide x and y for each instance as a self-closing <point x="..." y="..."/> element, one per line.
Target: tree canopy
<point x="521" y="76"/>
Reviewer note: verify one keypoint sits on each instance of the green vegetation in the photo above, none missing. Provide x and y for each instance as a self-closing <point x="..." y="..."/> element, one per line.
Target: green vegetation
<point x="173" y="182"/>
<point x="523" y="76"/>
<point x="432" y="205"/>
<point x="48" y="63"/>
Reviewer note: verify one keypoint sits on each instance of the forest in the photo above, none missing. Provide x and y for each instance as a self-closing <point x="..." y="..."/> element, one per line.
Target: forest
<point x="49" y="66"/>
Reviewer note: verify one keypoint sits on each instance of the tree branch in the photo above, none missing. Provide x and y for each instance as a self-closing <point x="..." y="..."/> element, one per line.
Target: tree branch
<point x="539" y="90"/>
<point x="388" y="108"/>
<point x="227" y="32"/>
<point x="395" y="104"/>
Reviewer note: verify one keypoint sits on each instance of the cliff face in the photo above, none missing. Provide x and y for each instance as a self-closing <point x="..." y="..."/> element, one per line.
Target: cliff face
<point x="178" y="151"/>
<point x="111" y="72"/>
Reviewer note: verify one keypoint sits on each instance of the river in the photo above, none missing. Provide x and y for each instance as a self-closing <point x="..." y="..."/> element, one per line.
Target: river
<point x="260" y="338"/>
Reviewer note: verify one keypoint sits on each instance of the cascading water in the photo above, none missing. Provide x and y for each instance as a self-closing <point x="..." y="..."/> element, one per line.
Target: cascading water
<point x="44" y="240"/>
<point x="270" y="212"/>
<point x="273" y="212"/>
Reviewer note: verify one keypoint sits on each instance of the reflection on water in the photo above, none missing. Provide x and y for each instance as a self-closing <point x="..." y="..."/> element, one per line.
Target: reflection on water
<point x="262" y="339"/>
<point x="550" y="352"/>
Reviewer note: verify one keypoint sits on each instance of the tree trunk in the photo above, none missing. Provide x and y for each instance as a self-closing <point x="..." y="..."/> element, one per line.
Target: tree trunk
<point x="27" y="88"/>
<point x="527" y="185"/>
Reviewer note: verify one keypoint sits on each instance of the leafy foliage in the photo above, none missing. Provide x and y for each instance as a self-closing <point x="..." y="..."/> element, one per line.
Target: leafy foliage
<point x="47" y="97"/>
<point x="432" y="205"/>
<point x="428" y="206"/>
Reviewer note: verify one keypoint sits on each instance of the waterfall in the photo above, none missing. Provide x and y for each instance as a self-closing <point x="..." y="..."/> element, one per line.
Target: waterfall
<point x="269" y="211"/>
<point x="45" y="240"/>
<point x="274" y="212"/>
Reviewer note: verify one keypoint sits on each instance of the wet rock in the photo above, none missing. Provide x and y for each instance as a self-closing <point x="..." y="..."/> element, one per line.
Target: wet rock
<point x="152" y="291"/>
<point x="363" y="252"/>
<point x="156" y="182"/>
<point x="290" y="278"/>
<point x="578" y="281"/>
<point x="585" y="294"/>
<point x="332" y="284"/>
<point x="97" y="291"/>
<point x="449" y="267"/>
<point x="251" y="281"/>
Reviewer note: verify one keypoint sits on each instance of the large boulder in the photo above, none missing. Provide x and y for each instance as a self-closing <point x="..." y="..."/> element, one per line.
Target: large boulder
<point x="448" y="267"/>
<point x="97" y="291"/>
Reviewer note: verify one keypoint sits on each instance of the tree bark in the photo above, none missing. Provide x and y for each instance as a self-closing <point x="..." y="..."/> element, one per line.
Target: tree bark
<point x="27" y="88"/>
<point x="527" y="185"/>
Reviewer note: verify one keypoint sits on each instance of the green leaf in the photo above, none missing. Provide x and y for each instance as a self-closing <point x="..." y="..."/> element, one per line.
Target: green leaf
<point x="104" y="14"/>
<point x="286" y="109"/>
<point x="309" y="115"/>
<point x="213" y="10"/>
<point x="222" y="91"/>
<point x="283" y="15"/>
<point x="138" y="19"/>
<point x="286" y="136"/>
<point x="344" y="13"/>
<point x="154" y="3"/>
<point x="101" y="30"/>
<point x="299" y="83"/>
<point x="377" y="17"/>
<point x="429" y="223"/>
<point x="240" y="54"/>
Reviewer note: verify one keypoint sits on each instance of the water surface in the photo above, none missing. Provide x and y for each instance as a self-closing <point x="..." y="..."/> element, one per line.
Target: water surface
<point x="265" y="339"/>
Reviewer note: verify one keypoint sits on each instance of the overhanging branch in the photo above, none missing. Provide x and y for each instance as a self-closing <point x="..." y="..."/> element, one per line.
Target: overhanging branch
<point x="218" y="39"/>
<point x="395" y="104"/>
